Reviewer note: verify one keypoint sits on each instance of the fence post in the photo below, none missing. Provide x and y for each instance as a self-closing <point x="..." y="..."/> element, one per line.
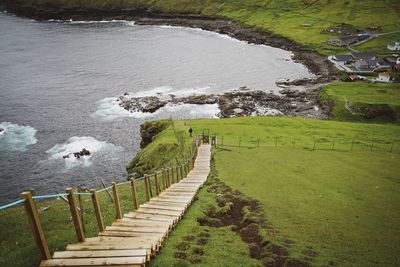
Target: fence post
<point x="391" y="148"/>
<point x="156" y="182"/>
<point x="34" y="221"/>
<point x="172" y="174"/>
<point x="170" y="182"/>
<point x="81" y="208"/>
<point x="372" y="144"/>
<point x="97" y="210"/>
<point x="222" y="140"/>
<point x="75" y="216"/>
<point x="147" y="187"/>
<point x="333" y="144"/>
<point x="314" y="145"/>
<point x="134" y="194"/>
<point x="118" y="212"/>
<point x="164" y="182"/>
<point x="181" y="170"/>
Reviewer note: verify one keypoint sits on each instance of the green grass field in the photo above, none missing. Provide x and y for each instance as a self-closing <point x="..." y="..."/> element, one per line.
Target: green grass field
<point x="359" y="94"/>
<point x="342" y="204"/>
<point x="324" y="206"/>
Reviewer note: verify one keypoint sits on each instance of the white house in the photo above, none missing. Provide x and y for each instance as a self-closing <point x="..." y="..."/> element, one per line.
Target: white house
<point x="383" y="77"/>
<point x="394" y="46"/>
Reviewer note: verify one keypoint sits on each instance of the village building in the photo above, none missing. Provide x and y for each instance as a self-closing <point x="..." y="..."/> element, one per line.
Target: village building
<point x="395" y="46"/>
<point x="383" y="77"/>
<point x="343" y="58"/>
<point x="363" y="55"/>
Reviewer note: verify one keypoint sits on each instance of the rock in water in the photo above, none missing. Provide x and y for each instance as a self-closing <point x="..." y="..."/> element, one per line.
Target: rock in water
<point x="84" y="152"/>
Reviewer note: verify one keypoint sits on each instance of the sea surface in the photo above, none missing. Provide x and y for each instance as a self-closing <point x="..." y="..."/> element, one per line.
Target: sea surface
<point x="59" y="81"/>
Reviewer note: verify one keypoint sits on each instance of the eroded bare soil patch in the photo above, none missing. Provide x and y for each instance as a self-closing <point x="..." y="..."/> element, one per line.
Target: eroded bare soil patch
<point x="245" y="217"/>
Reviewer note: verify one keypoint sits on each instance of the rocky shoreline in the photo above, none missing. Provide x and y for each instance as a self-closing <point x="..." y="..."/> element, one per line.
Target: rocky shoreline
<point x="298" y="98"/>
<point x="317" y="64"/>
<point x="241" y="102"/>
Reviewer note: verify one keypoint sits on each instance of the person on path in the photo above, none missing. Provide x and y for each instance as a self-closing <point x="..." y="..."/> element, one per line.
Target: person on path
<point x="190" y="132"/>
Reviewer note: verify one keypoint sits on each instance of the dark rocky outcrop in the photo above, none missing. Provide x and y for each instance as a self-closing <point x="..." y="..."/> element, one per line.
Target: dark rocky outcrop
<point x="242" y="102"/>
<point x="78" y="155"/>
<point x="149" y="130"/>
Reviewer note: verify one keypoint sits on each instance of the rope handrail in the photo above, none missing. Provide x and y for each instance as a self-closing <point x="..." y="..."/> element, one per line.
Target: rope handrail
<point x="58" y="195"/>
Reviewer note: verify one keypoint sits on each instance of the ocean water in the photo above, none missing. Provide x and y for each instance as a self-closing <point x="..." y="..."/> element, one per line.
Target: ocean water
<point x="59" y="81"/>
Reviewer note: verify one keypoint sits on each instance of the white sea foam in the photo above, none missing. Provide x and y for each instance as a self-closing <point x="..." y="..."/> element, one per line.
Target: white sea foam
<point x="109" y="109"/>
<point x="166" y="90"/>
<point x="77" y="143"/>
<point x="115" y="21"/>
<point x="16" y="137"/>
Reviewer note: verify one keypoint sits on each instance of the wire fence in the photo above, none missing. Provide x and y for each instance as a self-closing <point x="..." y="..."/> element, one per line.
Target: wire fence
<point x="318" y="143"/>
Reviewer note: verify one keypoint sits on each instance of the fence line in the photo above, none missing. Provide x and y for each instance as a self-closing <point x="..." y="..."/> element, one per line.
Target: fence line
<point x="166" y="179"/>
<point x="58" y="195"/>
<point x="320" y="143"/>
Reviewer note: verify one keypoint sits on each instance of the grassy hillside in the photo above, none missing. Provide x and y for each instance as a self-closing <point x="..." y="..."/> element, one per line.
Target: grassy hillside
<point x="364" y="100"/>
<point x="283" y="17"/>
<point x="342" y="205"/>
<point x="168" y="148"/>
<point x="315" y="205"/>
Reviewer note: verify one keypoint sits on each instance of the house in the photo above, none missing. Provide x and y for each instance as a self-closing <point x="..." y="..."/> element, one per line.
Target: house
<point x="395" y="46"/>
<point x="343" y="58"/>
<point x="345" y="40"/>
<point x="363" y="64"/>
<point x="383" y="77"/>
<point x="381" y="63"/>
<point x="363" y="55"/>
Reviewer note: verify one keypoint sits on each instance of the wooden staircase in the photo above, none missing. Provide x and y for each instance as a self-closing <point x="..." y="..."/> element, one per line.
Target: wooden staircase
<point x="134" y="239"/>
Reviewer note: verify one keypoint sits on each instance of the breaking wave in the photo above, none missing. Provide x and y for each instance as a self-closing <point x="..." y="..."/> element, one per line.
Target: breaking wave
<point x="97" y="149"/>
<point x="16" y="137"/>
<point x="109" y="109"/>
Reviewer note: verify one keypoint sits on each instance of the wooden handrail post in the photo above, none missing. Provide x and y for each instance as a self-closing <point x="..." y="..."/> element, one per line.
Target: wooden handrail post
<point x="172" y="174"/>
<point x="81" y="211"/>
<point x="156" y="182"/>
<point x="181" y="170"/>
<point x="168" y="177"/>
<point x="177" y="174"/>
<point x="147" y="187"/>
<point x="164" y="179"/>
<point x="97" y="210"/>
<point x="75" y="216"/>
<point x="134" y="194"/>
<point x="118" y="212"/>
<point x="34" y="221"/>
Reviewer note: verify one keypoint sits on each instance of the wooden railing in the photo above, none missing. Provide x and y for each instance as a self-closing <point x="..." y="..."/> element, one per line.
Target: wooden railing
<point x="162" y="180"/>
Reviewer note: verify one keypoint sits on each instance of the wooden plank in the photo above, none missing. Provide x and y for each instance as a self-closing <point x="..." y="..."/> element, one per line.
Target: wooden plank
<point x="162" y="207"/>
<point x="138" y="245"/>
<point x="161" y="212"/>
<point x="169" y="203"/>
<point x="144" y="221"/>
<point x="100" y="253"/>
<point x="144" y="215"/>
<point x="130" y="261"/>
<point x="123" y="234"/>
<point x="136" y="229"/>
